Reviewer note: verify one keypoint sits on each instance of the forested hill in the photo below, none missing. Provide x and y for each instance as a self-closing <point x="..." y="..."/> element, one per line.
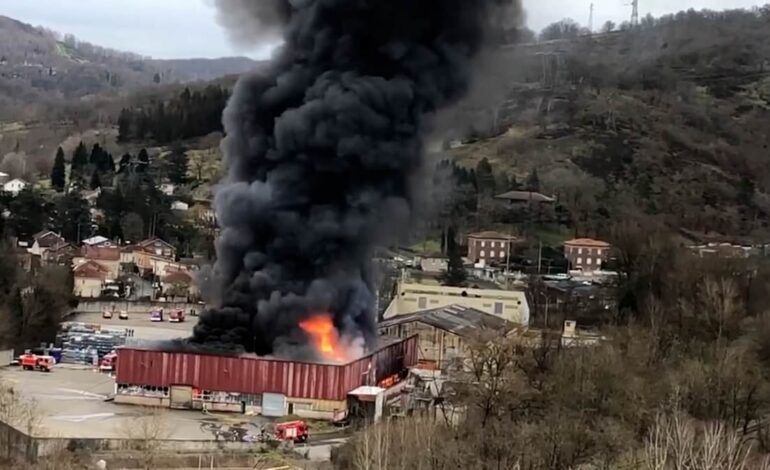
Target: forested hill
<point x="38" y="65"/>
<point x="669" y="118"/>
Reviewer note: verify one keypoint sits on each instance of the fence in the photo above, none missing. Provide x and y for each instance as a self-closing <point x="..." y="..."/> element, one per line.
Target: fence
<point x="99" y="306"/>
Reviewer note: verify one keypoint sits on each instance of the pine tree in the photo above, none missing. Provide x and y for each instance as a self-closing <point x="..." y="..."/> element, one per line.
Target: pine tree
<point x="95" y="181"/>
<point x="455" y="274"/>
<point x="485" y="178"/>
<point x="533" y="181"/>
<point x="177" y="170"/>
<point x="143" y="161"/>
<point x="79" y="163"/>
<point x="58" y="172"/>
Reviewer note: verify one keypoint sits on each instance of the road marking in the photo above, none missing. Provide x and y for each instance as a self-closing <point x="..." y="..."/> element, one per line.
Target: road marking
<point x="83" y="392"/>
<point x="81" y="418"/>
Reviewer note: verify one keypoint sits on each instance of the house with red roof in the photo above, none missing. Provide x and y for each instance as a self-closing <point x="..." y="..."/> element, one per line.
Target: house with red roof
<point x="89" y="279"/>
<point x="586" y="254"/>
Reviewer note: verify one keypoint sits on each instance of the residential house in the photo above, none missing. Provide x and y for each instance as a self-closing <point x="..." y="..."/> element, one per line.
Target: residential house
<point x="98" y="241"/>
<point x="44" y="240"/>
<point x="26" y="260"/>
<point x="91" y="196"/>
<point x="89" y="279"/>
<point x="510" y="305"/>
<point x="108" y="257"/>
<point x="157" y="247"/>
<point x="167" y="188"/>
<point x="4" y="177"/>
<point x="150" y="263"/>
<point x="586" y="254"/>
<point x="179" y="285"/>
<point x="180" y="206"/>
<point x="491" y="247"/>
<point x="60" y="254"/>
<point x="443" y="331"/>
<point x="15" y="186"/>
<point x="434" y="263"/>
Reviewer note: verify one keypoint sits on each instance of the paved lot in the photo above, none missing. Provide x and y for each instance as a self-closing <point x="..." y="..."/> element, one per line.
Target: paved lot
<point x="142" y="326"/>
<point x="71" y="404"/>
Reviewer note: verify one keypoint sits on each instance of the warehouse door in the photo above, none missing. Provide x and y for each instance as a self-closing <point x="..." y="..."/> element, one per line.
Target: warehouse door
<point x="181" y="397"/>
<point x="273" y="404"/>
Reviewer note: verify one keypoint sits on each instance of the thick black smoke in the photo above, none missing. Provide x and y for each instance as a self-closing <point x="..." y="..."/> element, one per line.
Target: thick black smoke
<point x="321" y="151"/>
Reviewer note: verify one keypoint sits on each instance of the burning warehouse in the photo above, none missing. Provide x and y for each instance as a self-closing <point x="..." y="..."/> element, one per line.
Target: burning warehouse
<point x="323" y="151"/>
<point x="248" y="383"/>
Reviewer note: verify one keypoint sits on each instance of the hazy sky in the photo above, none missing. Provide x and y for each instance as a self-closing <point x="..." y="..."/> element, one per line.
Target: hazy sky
<point x="188" y="28"/>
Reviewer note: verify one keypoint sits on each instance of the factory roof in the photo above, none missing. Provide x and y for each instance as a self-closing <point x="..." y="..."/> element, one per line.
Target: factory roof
<point x="525" y="196"/>
<point x="491" y="234"/>
<point x="456" y="319"/>
<point x="587" y="242"/>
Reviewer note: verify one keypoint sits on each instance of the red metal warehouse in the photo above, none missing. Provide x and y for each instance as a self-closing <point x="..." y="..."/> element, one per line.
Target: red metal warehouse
<point x="251" y="383"/>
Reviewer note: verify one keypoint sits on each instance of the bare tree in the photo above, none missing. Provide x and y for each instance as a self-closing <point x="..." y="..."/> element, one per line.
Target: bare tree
<point x="147" y="431"/>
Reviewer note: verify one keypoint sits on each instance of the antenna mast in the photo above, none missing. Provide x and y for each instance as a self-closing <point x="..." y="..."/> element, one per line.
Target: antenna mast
<point x="591" y="19"/>
<point x="635" y="13"/>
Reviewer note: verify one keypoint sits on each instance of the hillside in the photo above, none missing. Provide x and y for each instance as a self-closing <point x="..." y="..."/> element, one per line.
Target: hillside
<point x="669" y="120"/>
<point x="38" y="66"/>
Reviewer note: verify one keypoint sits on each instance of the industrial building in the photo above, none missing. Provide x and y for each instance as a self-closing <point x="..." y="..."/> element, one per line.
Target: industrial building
<point x="442" y="332"/>
<point x="510" y="305"/>
<point x="267" y="386"/>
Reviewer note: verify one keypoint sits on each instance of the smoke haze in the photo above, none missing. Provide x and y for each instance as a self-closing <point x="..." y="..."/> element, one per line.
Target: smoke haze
<point x="321" y="152"/>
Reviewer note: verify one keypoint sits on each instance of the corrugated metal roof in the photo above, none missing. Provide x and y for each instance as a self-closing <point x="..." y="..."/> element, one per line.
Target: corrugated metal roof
<point x="454" y="318"/>
<point x="262" y="375"/>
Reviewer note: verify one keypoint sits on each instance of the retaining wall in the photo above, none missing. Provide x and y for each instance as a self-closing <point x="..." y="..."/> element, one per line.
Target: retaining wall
<point x="142" y="307"/>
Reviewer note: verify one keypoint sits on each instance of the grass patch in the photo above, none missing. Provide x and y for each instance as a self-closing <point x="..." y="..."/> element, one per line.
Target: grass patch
<point x="430" y="246"/>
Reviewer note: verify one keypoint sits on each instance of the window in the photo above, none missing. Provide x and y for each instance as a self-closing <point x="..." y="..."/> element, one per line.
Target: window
<point x="483" y="244"/>
<point x="579" y="261"/>
<point x="422" y="302"/>
<point x="483" y="253"/>
<point x="580" y="251"/>
<point x="589" y="260"/>
<point x="498" y="308"/>
<point x="599" y="252"/>
<point x="502" y="254"/>
<point x="598" y="261"/>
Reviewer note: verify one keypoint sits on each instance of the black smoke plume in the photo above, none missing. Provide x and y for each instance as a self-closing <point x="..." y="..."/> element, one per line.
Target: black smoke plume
<point x="321" y="151"/>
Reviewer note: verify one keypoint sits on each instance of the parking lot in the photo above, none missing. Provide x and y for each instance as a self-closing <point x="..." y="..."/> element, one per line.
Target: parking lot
<point x="141" y="324"/>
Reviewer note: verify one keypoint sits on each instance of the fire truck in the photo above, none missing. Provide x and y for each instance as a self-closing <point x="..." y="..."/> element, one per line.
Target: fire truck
<point x="294" y="431"/>
<point x="176" y="316"/>
<point x="107" y="364"/>
<point x="30" y="361"/>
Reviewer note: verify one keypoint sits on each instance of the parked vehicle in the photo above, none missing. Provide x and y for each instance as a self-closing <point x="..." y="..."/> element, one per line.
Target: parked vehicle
<point x="30" y="361"/>
<point x="176" y="316"/>
<point x="123" y="315"/>
<point x="294" y="431"/>
<point x="156" y="314"/>
<point x="108" y="362"/>
<point x="107" y="314"/>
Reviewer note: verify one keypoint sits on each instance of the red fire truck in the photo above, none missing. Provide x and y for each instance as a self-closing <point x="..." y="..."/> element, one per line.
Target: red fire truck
<point x="295" y="431"/>
<point x="107" y="364"/>
<point x="30" y="361"/>
<point x="176" y="316"/>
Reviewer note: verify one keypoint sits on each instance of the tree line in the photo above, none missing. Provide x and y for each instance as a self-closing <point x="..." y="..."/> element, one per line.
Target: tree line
<point x="191" y="114"/>
<point x="679" y="378"/>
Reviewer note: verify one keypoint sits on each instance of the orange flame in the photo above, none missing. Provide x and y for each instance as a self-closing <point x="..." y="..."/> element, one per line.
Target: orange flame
<point x="321" y="329"/>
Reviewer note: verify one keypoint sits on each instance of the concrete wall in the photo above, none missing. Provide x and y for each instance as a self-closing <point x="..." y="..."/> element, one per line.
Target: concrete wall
<point x="98" y="306"/>
<point x="6" y="357"/>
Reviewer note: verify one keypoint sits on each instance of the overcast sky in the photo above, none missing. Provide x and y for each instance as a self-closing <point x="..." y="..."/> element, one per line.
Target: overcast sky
<point x="188" y="28"/>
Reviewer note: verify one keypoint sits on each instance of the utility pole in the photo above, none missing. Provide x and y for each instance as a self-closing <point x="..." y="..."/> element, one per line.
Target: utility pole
<point x="591" y="19"/>
<point x="635" y="13"/>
